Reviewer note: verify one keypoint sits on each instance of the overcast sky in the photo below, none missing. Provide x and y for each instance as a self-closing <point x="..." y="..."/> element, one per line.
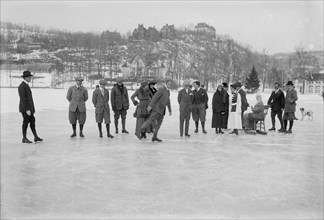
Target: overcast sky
<point x="275" y="26"/>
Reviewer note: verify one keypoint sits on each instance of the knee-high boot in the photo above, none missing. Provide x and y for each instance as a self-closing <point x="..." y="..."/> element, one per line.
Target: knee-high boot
<point x="108" y="131"/>
<point x="116" y="125"/>
<point x="100" y="130"/>
<point x="196" y="124"/>
<point x="123" y="125"/>
<point x="203" y="127"/>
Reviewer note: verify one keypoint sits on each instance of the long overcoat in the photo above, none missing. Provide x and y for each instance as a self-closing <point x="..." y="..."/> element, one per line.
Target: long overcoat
<point x="290" y="102"/>
<point x="26" y="99"/>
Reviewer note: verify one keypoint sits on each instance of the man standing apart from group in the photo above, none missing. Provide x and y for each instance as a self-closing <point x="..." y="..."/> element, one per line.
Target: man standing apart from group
<point x="120" y="103"/>
<point x="100" y="100"/>
<point x="185" y="98"/>
<point x="290" y="107"/>
<point x="77" y="95"/>
<point x="199" y="106"/>
<point x="157" y="108"/>
<point x="277" y="105"/>
<point x="27" y="108"/>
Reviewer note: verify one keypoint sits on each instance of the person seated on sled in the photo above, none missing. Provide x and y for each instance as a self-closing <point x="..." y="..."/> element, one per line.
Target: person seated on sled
<point x="257" y="113"/>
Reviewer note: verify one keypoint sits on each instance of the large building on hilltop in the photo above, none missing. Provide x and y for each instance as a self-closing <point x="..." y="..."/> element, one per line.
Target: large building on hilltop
<point x="205" y="29"/>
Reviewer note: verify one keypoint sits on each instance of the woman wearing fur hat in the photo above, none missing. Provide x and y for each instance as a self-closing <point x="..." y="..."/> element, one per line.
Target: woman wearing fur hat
<point x="143" y="96"/>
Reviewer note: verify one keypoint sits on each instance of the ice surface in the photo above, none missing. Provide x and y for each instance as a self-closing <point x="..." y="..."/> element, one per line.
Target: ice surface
<point x="274" y="176"/>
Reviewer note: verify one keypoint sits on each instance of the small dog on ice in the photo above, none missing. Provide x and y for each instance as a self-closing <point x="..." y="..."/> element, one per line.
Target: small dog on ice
<point x="308" y="113"/>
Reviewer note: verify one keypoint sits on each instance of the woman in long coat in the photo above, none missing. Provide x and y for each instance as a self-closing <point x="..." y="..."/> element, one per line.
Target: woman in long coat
<point x="141" y="113"/>
<point x="218" y="110"/>
<point x="235" y="118"/>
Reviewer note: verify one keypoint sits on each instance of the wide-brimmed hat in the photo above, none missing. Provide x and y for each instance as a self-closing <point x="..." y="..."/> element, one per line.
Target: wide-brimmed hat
<point x="103" y="82"/>
<point x="79" y="78"/>
<point x="225" y="85"/>
<point x="26" y="74"/>
<point x="289" y="83"/>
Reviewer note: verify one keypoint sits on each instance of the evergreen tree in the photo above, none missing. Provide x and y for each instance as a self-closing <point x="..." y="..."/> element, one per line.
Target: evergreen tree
<point x="252" y="82"/>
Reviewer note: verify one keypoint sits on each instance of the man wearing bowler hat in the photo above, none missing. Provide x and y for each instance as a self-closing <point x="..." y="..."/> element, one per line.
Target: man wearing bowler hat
<point x="185" y="98"/>
<point x="100" y="100"/>
<point x="27" y="108"/>
<point x="290" y="107"/>
<point x="77" y="95"/>
<point x="120" y="103"/>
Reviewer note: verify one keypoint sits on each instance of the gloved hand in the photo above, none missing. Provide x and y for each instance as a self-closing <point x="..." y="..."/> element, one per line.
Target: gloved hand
<point x="135" y="103"/>
<point x="114" y="108"/>
<point x="206" y="106"/>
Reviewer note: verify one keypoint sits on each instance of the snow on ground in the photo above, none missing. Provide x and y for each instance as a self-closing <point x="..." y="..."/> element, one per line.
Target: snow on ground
<point x="274" y="176"/>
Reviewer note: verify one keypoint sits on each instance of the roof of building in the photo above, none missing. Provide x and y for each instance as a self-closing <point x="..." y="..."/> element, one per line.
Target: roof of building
<point x="202" y="25"/>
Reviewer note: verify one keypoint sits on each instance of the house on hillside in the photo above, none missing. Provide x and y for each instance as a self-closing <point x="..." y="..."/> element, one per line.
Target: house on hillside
<point x="139" y="32"/>
<point x="205" y="29"/>
<point x="157" y="70"/>
<point x="152" y="34"/>
<point x="28" y="44"/>
<point x="168" y="32"/>
<point x="134" y="68"/>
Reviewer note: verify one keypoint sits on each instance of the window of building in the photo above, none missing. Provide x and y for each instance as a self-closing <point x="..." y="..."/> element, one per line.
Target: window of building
<point x="317" y="89"/>
<point x="310" y="89"/>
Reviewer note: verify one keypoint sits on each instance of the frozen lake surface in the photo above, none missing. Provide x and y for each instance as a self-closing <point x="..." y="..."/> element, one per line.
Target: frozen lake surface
<point x="274" y="176"/>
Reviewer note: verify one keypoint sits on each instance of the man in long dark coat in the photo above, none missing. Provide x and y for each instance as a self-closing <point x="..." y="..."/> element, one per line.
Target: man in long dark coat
<point x="27" y="108"/>
<point x="290" y="107"/>
<point x="185" y="98"/>
<point x="276" y="102"/>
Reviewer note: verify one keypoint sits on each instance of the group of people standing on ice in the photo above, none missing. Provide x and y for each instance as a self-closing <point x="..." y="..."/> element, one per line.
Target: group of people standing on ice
<point x="153" y="98"/>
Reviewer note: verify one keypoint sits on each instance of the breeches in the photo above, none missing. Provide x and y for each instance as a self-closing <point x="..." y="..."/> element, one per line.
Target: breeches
<point x="199" y="112"/>
<point x="120" y="113"/>
<point x="276" y="112"/>
<point x="77" y="116"/>
<point x="104" y="115"/>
